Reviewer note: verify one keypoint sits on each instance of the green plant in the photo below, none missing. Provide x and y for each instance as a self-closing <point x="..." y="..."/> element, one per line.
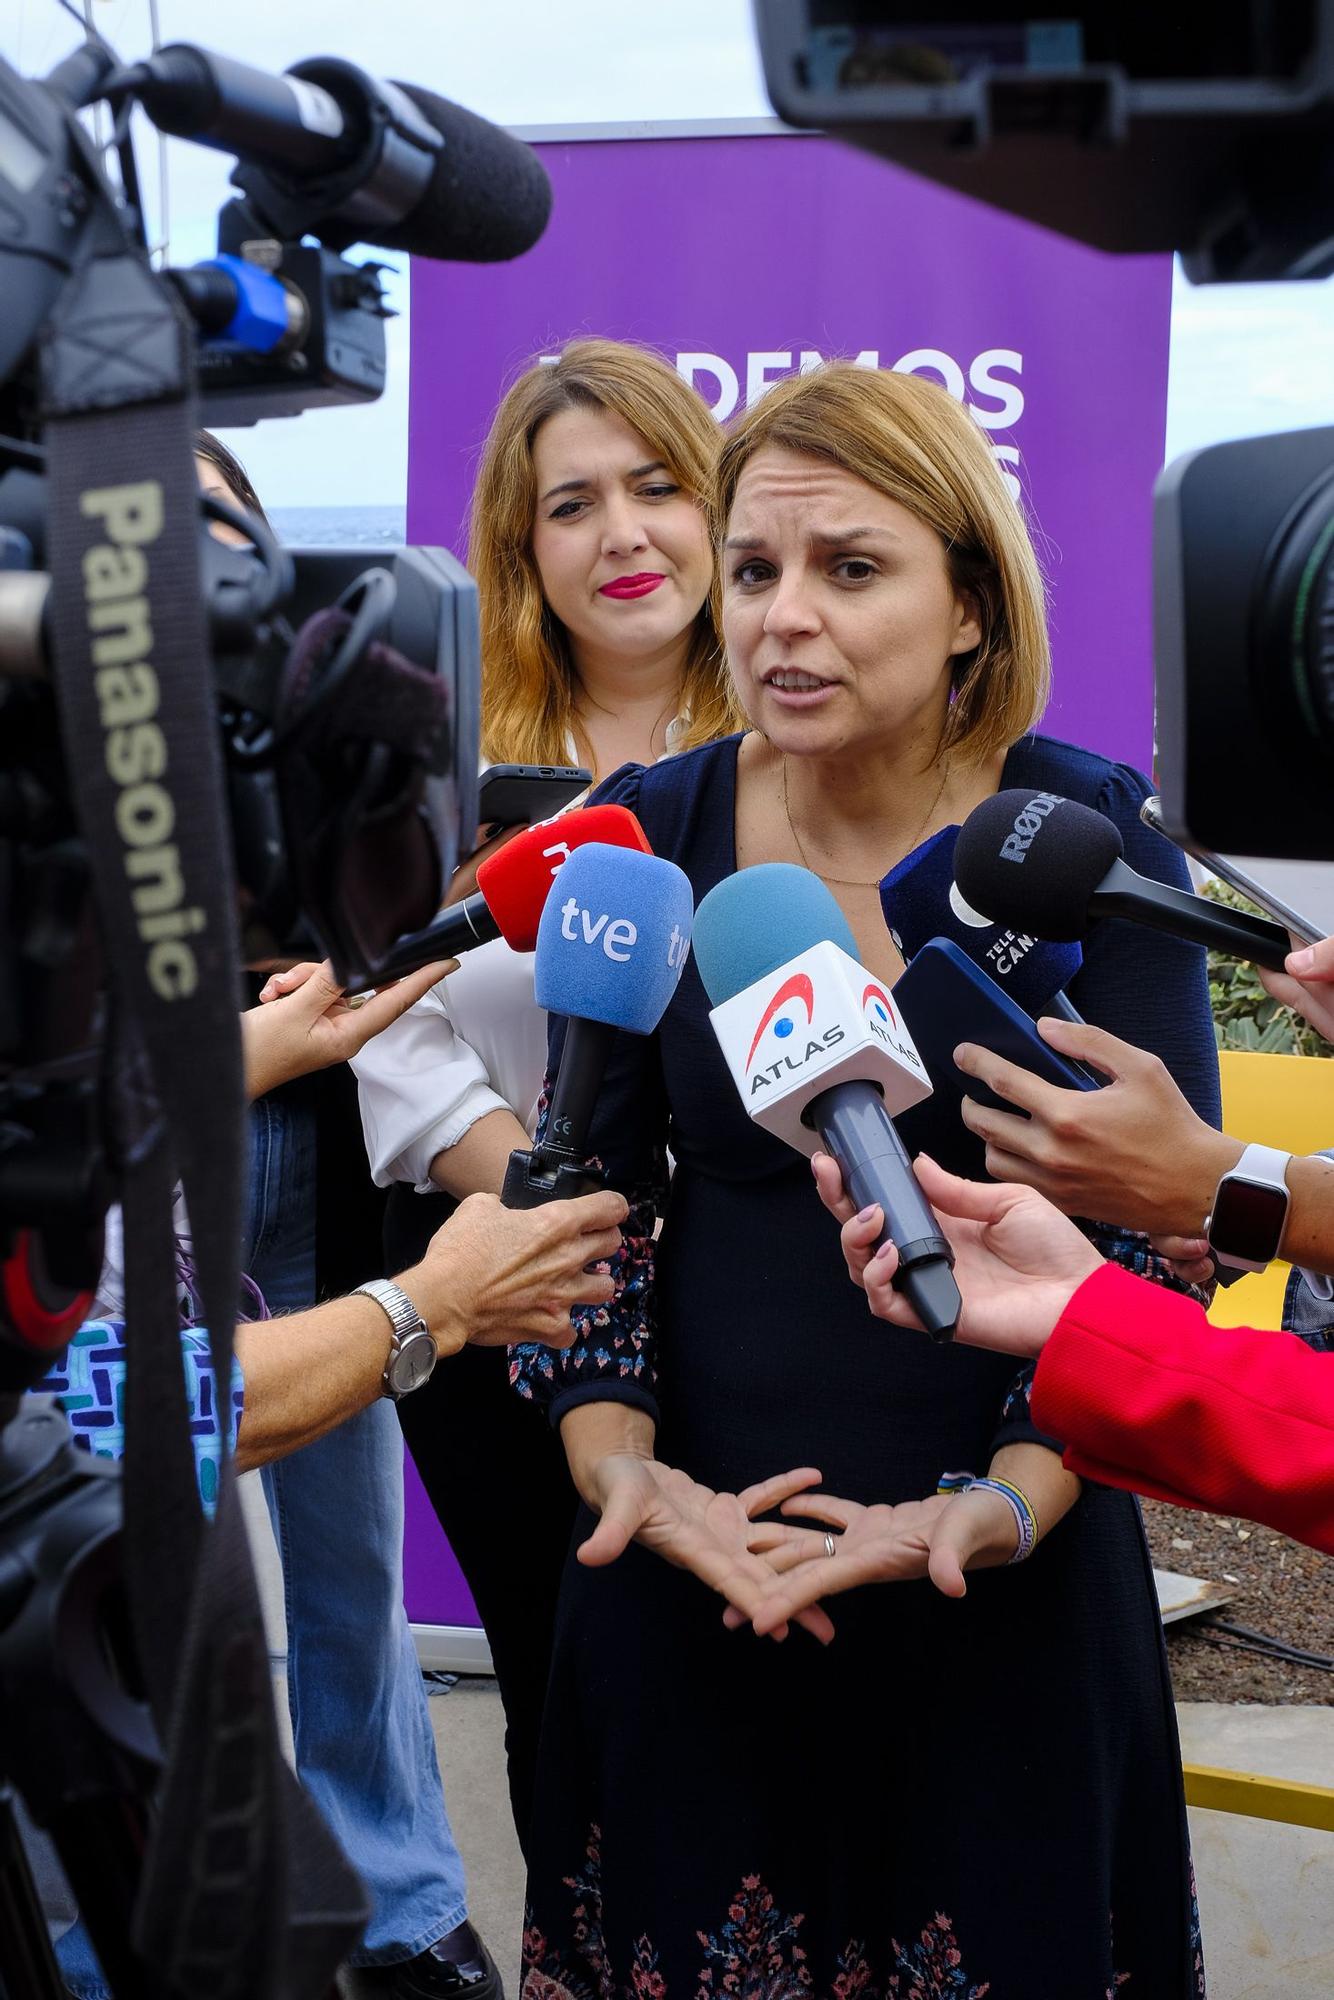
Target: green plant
<point x="1244" y="1015"/>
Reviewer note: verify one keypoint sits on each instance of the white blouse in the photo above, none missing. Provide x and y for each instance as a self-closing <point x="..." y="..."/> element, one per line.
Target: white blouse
<point x="476" y="1043"/>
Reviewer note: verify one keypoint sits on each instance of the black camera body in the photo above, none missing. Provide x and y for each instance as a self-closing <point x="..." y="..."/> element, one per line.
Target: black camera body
<point x="1244" y="645"/>
<point x="209" y="752"/>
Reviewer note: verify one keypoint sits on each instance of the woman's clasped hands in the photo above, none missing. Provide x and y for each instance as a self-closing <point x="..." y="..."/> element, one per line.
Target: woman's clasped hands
<point x="772" y="1572"/>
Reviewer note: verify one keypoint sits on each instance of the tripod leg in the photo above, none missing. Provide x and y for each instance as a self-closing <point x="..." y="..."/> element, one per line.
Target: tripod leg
<point x="28" y="1969"/>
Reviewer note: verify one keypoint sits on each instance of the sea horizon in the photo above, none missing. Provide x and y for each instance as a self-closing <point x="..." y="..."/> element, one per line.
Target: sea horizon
<point x="327" y="527"/>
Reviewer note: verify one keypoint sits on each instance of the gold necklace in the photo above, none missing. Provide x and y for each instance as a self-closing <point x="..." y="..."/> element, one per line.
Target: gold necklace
<point x="842" y="881"/>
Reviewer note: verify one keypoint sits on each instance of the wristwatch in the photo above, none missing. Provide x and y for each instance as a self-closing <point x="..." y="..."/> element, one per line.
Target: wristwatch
<point x="412" y="1352"/>
<point x="1250" y="1209"/>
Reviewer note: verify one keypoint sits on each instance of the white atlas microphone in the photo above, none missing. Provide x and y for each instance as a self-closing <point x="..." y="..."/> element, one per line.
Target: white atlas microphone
<point x="820" y="1058"/>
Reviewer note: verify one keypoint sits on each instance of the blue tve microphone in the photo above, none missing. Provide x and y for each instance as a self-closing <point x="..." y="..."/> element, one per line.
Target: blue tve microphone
<point x="921" y="900"/>
<point x="611" y="946"/>
<point x="815" y="1046"/>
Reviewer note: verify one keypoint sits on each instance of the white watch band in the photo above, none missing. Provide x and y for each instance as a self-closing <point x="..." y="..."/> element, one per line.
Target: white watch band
<point x="1262" y="1166"/>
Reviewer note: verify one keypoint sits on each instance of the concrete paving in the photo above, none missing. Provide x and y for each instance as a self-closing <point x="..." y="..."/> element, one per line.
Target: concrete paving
<point x="469" y="1740"/>
<point x="1266" y="1891"/>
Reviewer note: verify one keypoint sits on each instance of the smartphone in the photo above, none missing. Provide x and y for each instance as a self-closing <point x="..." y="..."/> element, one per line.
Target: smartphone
<point x="519" y="794"/>
<point x="945" y="999"/>
<point x="1151" y="812"/>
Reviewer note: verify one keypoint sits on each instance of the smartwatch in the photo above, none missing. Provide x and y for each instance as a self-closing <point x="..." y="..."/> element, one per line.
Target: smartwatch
<point x="1250" y="1208"/>
<point x="412" y="1351"/>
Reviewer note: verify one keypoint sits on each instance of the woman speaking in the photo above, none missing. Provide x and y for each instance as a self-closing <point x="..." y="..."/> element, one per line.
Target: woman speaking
<point x="976" y="1786"/>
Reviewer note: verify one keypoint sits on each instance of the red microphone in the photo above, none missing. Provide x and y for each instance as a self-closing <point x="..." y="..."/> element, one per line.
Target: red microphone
<point x="512" y="888"/>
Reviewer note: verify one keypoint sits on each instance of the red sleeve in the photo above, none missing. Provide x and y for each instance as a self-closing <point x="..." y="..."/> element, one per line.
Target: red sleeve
<point x="1149" y="1395"/>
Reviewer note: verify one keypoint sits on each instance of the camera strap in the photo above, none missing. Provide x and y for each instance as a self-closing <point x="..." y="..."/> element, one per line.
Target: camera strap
<point x="245" y="1894"/>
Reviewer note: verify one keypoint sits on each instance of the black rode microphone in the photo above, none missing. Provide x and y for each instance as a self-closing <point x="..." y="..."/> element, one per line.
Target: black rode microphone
<point x="329" y="151"/>
<point x="920" y="900"/>
<point x="1049" y="865"/>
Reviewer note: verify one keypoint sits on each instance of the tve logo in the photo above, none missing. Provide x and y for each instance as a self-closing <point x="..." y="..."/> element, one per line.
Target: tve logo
<point x="613" y="937"/>
<point x="618" y="935"/>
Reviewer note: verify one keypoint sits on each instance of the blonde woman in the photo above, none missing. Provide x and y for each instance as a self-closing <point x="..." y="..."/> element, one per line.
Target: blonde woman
<point x="974" y="1786"/>
<point x="590" y="544"/>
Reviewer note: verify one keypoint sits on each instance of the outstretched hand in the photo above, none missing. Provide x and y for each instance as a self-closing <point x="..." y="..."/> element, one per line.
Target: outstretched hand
<point x="1017" y="1259"/>
<point x="304" y="1022"/>
<point x="690" y="1525"/>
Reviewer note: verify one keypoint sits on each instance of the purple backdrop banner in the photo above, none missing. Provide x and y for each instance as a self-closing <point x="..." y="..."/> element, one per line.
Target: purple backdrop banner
<point x="748" y="257"/>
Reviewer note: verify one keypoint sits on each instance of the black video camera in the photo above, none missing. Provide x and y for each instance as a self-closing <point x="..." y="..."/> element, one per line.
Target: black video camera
<point x="209" y="753"/>
<point x="1206" y="128"/>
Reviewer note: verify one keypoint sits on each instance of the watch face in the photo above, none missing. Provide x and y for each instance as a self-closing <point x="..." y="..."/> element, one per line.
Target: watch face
<point x="412" y="1364"/>
<point x="1248" y="1221"/>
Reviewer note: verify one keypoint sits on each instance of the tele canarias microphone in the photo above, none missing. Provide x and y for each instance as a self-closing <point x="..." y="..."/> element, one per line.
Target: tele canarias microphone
<point x="921" y="900"/>
<point x="327" y="150"/>
<point x="820" y="1058"/>
<point x="512" y="888"/>
<point x="1049" y="865"/>
<point x="611" y="946"/>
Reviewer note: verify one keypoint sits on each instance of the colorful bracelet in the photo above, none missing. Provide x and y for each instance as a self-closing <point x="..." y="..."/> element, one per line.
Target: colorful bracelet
<point x="1025" y="1520"/>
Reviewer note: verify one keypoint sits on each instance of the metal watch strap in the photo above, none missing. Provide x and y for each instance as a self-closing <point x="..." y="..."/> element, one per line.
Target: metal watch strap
<point x="404" y="1319"/>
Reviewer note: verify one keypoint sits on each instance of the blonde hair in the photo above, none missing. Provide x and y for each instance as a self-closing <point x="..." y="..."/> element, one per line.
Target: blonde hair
<point x="911" y="441"/>
<point x="528" y="672"/>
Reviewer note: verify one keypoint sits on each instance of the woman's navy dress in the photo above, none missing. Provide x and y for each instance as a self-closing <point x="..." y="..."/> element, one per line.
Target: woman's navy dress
<point x="955" y="1798"/>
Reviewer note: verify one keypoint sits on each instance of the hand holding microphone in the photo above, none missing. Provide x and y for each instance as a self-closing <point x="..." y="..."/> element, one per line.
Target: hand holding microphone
<point x="1016" y="1257"/>
<point x="306" y="1022"/>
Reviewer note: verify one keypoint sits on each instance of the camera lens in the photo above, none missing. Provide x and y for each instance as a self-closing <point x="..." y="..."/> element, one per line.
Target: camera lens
<point x="1294" y="653"/>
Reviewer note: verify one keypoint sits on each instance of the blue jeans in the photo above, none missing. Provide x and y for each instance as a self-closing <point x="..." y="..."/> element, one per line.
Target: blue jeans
<point x="364" y="1746"/>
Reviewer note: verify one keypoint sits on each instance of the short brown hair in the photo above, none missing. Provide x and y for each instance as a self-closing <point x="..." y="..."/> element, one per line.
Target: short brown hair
<point x="911" y="441"/>
<point x="528" y="681"/>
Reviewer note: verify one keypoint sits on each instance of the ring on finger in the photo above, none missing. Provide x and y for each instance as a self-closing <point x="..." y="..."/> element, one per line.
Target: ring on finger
<point x="830" y="1545"/>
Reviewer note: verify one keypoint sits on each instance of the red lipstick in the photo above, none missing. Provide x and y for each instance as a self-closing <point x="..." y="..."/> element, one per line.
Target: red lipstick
<point x="632" y="586"/>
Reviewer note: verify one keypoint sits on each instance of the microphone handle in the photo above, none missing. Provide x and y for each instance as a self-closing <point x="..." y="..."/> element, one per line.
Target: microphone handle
<point x="1123" y="893"/>
<point x="217" y="101"/>
<point x="574" y="1093"/>
<point x="858" y="1131"/>
<point x="459" y="928"/>
<point x="557" y="1169"/>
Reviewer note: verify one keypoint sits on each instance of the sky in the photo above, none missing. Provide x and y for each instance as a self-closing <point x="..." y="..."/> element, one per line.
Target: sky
<point x="1244" y="359"/>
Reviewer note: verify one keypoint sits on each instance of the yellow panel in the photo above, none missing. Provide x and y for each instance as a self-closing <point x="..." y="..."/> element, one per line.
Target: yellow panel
<point x="1285" y="1101"/>
<point x="1259" y="1797"/>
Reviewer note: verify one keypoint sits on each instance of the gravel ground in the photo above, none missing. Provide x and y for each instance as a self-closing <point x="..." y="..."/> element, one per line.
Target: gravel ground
<point x="1276" y="1586"/>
